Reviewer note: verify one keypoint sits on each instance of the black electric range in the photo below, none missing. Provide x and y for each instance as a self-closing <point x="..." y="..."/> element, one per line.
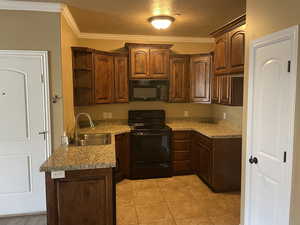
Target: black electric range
<point x="150" y="140"/>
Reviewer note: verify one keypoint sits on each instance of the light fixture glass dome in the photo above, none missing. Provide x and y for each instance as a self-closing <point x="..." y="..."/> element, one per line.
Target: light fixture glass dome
<point x="161" y="22"/>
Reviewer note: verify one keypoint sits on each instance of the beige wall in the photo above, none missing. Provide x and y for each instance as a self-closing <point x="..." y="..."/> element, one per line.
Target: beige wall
<point x="173" y="110"/>
<point x="265" y="17"/>
<point x="68" y="39"/>
<point x="37" y="31"/>
<point x="234" y="115"/>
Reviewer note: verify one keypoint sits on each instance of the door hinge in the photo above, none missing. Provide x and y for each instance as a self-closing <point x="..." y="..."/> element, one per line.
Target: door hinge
<point x="42" y="78"/>
<point x="284" y="157"/>
<point x="289" y="66"/>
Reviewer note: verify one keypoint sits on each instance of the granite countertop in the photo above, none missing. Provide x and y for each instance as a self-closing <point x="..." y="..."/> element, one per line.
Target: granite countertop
<point x="103" y="156"/>
<point x="211" y="130"/>
<point x="86" y="157"/>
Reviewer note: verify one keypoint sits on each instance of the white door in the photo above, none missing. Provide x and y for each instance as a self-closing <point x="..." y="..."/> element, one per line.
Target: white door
<point x="23" y="115"/>
<point x="272" y="84"/>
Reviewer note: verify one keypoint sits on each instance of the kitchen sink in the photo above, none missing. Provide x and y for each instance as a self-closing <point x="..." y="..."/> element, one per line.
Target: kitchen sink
<point x="94" y="139"/>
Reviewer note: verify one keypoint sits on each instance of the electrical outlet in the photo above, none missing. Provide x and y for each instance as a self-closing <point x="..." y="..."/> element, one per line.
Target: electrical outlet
<point x="224" y="115"/>
<point x="186" y="113"/>
<point x="105" y="116"/>
<point x="109" y="115"/>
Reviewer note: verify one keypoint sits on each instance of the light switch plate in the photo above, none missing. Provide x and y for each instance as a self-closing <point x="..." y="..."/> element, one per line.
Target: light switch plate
<point x="224" y="115"/>
<point x="109" y="115"/>
<point x="186" y="113"/>
<point x="58" y="174"/>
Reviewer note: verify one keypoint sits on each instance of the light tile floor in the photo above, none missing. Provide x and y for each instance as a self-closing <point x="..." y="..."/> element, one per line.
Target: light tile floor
<point x="180" y="200"/>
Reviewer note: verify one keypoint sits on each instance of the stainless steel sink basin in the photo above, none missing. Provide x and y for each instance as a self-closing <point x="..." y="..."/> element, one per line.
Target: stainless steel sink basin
<point x="94" y="139"/>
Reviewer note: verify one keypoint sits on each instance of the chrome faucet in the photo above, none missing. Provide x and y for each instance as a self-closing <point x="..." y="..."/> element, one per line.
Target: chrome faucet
<point x="77" y="125"/>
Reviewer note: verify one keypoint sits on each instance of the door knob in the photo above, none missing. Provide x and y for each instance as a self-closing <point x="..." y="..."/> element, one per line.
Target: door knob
<point x="253" y="160"/>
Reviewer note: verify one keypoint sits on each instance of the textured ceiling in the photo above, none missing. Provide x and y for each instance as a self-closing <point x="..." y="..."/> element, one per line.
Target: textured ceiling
<point x="195" y="18"/>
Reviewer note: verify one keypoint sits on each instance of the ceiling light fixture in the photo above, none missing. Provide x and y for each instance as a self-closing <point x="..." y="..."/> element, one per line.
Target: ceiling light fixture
<point x="161" y="22"/>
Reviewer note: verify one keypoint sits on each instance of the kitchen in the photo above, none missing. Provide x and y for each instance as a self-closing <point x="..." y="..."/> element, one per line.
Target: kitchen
<point x="139" y="129"/>
<point x="130" y="94"/>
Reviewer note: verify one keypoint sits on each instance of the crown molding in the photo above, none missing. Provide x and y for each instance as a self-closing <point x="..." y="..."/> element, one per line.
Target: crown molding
<point x="127" y="37"/>
<point x="31" y="6"/>
<point x="70" y="20"/>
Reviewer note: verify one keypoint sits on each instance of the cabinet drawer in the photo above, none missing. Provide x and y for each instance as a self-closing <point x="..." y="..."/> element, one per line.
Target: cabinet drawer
<point x="181" y="155"/>
<point x="181" y="135"/>
<point x="182" y="166"/>
<point x="181" y="145"/>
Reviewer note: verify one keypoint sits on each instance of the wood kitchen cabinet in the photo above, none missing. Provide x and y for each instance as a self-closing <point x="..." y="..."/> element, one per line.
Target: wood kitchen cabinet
<point x="121" y="79"/>
<point x="149" y="61"/>
<point x="218" y="162"/>
<point x="82" y="197"/>
<point x="181" y="152"/>
<point x="104" y="78"/>
<point x="179" y="78"/>
<point x="221" y="54"/>
<point x="230" y="47"/>
<point x="200" y="78"/>
<point x="99" y="77"/>
<point x="228" y="90"/>
<point x="122" y="147"/>
<point x="83" y="77"/>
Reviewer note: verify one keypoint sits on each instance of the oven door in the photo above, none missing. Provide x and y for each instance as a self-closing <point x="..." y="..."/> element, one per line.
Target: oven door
<point x="150" y="147"/>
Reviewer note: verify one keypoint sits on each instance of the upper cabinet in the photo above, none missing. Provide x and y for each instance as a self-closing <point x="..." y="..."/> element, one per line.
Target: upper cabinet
<point x="236" y="57"/>
<point x="230" y="47"/>
<point x="104" y="78"/>
<point x="139" y="63"/>
<point x="149" y="61"/>
<point x="221" y="54"/>
<point x="99" y="77"/>
<point x="200" y="78"/>
<point x="121" y="79"/>
<point x="179" y="78"/>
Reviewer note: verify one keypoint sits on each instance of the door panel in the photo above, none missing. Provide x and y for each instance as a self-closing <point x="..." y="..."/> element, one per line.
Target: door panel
<point x="139" y="60"/>
<point x="200" y="73"/>
<point x="271" y="119"/>
<point x="121" y="79"/>
<point x="179" y="79"/>
<point x="225" y="96"/>
<point x="215" y="93"/>
<point x="104" y="78"/>
<point x="22" y="116"/>
<point x="221" y="55"/>
<point x="237" y="50"/>
<point x="159" y="63"/>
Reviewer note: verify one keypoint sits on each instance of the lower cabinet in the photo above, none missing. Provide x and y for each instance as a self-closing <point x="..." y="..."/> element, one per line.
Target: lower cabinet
<point x="218" y="162"/>
<point x="122" y="169"/>
<point x="82" y="197"/>
<point x="181" y="152"/>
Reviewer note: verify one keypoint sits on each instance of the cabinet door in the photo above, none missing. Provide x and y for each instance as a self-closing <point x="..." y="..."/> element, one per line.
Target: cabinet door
<point x="236" y="50"/>
<point x="215" y="96"/>
<point x="159" y="63"/>
<point x="205" y="163"/>
<point x="139" y="60"/>
<point x="200" y="71"/>
<point x="178" y="79"/>
<point x="104" y="78"/>
<point x="121" y="79"/>
<point x="225" y="89"/>
<point x="82" y="197"/>
<point x="221" y="55"/>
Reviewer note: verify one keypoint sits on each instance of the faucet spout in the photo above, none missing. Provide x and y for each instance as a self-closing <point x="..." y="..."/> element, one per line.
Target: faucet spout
<point x="77" y="125"/>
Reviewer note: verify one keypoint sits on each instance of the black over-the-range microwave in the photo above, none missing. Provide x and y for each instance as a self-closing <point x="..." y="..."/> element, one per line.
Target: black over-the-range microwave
<point x="149" y="90"/>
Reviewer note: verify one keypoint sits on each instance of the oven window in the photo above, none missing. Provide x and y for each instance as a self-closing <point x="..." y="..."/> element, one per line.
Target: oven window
<point x="145" y="93"/>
